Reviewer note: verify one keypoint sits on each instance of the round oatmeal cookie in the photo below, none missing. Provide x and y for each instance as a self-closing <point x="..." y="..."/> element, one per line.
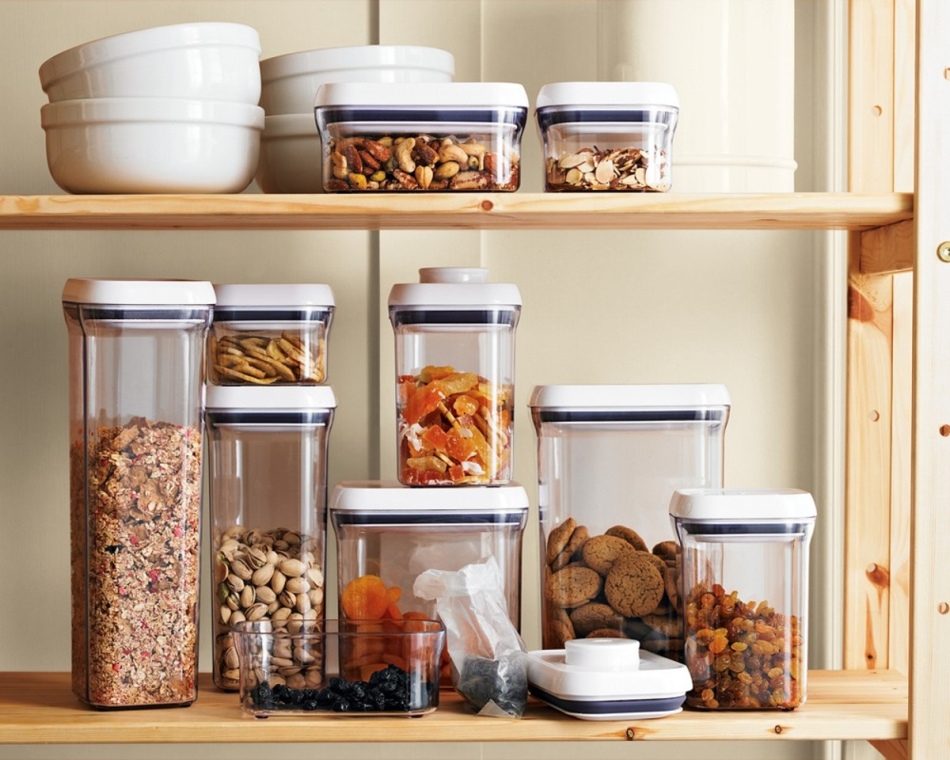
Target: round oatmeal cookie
<point x="671" y="583"/>
<point x="574" y="543"/>
<point x="593" y="615"/>
<point x="600" y="552"/>
<point x="606" y="633"/>
<point x="634" y="587"/>
<point x="629" y="535"/>
<point x="559" y="629"/>
<point x="658" y="563"/>
<point x="558" y="538"/>
<point x="572" y="586"/>
<point x="665" y="625"/>
<point x="667" y="549"/>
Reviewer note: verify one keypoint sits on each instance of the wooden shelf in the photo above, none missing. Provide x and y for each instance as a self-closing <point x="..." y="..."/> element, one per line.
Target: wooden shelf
<point x="814" y="211"/>
<point x="40" y="708"/>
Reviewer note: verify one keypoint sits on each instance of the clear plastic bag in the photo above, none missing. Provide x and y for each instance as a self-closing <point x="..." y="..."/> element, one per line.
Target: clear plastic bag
<point x="487" y="653"/>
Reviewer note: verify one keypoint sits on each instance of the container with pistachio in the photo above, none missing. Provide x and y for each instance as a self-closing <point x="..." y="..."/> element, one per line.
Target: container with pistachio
<point x="607" y="135"/>
<point x="455" y="136"/>
<point x="268" y="490"/>
<point x="270" y="334"/>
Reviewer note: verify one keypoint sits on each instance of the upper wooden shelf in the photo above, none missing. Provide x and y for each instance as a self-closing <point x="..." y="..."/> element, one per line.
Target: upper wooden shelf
<point x="40" y="708"/>
<point x="813" y="211"/>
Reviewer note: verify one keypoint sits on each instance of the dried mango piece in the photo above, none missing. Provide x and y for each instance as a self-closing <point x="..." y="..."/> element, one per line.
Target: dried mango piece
<point x="426" y="464"/>
<point x="430" y="373"/>
<point x="457" y="382"/>
<point x="423" y="401"/>
<point x="465" y="404"/>
<point x="434" y="437"/>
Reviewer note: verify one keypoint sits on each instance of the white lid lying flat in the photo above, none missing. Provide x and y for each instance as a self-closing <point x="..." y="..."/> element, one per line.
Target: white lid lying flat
<point x="408" y="95"/>
<point x="389" y="496"/>
<point x="453" y="287"/>
<point x="273" y="295"/>
<point x="357" y="57"/>
<point x="290" y="397"/>
<point x="138" y="292"/>
<point x="626" y="397"/>
<point x="628" y="95"/>
<point x="717" y="505"/>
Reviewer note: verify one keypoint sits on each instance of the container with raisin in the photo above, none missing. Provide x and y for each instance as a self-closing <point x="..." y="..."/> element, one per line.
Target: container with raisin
<point x="455" y="366"/>
<point x="745" y="589"/>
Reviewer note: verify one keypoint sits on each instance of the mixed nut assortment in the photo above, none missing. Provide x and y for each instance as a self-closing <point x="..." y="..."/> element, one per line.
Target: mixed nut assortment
<point x="267" y="359"/>
<point x="268" y="575"/>
<point x="419" y="162"/>
<point x="593" y="168"/>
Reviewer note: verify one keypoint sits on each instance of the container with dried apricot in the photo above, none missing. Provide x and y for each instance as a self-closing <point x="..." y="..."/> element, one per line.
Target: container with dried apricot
<point x="745" y="588"/>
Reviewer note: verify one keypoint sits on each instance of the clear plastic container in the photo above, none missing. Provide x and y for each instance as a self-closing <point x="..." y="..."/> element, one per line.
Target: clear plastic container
<point x="135" y="429"/>
<point x="609" y="459"/>
<point x="745" y="591"/>
<point x="270" y="334"/>
<point x="268" y="491"/>
<point x="387" y="534"/>
<point x="421" y="137"/>
<point x="455" y="371"/>
<point x="607" y="135"/>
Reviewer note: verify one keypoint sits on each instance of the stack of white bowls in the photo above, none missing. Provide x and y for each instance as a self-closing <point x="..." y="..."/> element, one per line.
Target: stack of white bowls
<point x="291" y="154"/>
<point x="171" y="109"/>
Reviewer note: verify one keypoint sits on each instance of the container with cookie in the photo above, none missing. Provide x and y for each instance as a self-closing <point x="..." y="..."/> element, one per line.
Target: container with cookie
<point x="609" y="459"/>
<point x="745" y="590"/>
<point x="270" y="334"/>
<point x="455" y="367"/>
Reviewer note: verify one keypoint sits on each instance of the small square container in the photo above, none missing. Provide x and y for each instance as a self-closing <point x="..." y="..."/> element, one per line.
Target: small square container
<point x="603" y="136"/>
<point x="745" y="594"/>
<point x="353" y="668"/>
<point x="421" y="137"/>
<point x="387" y="534"/>
<point x="270" y="334"/>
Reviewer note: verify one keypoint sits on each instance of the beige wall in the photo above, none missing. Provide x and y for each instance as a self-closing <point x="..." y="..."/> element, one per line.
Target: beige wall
<point x="752" y="310"/>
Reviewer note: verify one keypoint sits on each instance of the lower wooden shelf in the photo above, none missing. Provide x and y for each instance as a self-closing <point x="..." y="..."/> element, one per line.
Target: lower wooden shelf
<point x="39" y="708"/>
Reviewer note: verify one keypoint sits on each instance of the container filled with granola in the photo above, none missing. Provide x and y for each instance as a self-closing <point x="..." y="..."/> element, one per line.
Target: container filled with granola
<point x="136" y="352"/>
<point x="268" y="492"/>
<point x="270" y="334"/>
<point x="607" y="135"/>
<point x="455" y="369"/>
<point x="421" y="137"/>
<point x="609" y="459"/>
<point x="745" y="595"/>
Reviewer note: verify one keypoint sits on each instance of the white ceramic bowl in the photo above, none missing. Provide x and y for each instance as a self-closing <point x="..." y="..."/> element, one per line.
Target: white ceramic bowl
<point x="156" y="145"/>
<point x="289" y="82"/>
<point x="209" y="60"/>
<point x="291" y="155"/>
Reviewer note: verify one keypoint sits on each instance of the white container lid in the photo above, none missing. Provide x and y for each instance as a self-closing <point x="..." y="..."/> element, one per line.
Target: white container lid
<point x="719" y="505"/>
<point x="138" y="292"/>
<point x="624" y="95"/>
<point x="273" y="296"/>
<point x="628" y="397"/>
<point x="405" y="96"/>
<point x="357" y="57"/>
<point x="432" y="504"/>
<point x="289" y="397"/>
<point x="453" y="288"/>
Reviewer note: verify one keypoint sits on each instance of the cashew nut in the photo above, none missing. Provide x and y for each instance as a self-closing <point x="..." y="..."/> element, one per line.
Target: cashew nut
<point x="403" y="153"/>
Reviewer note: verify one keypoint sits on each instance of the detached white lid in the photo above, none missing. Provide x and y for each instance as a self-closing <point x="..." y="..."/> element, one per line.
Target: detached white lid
<point x="626" y="95"/>
<point x="452" y="288"/>
<point x="289" y="397"/>
<point x="626" y="397"/>
<point x="290" y="295"/>
<point x="405" y="96"/>
<point x="717" y="505"/>
<point x="389" y="496"/>
<point x="357" y="57"/>
<point x="139" y="292"/>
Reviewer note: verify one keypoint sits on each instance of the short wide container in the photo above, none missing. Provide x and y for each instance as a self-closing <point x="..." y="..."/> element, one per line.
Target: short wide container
<point x="745" y="590"/>
<point x="455" y="377"/>
<point x="135" y="430"/>
<point x="609" y="459"/>
<point x="268" y="490"/>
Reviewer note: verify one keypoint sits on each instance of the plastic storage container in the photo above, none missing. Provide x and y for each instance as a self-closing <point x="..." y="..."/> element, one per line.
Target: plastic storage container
<point x="607" y="135"/>
<point x="268" y="491"/>
<point x="270" y="334"/>
<point x="454" y="136"/>
<point x="609" y="459"/>
<point x="370" y="669"/>
<point x="388" y="534"/>
<point x="745" y="588"/>
<point x="135" y="429"/>
<point x="455" y="370"/>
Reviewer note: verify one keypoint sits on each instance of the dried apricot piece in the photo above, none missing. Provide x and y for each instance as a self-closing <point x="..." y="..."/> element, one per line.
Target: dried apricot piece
<point x="365" y="598"/>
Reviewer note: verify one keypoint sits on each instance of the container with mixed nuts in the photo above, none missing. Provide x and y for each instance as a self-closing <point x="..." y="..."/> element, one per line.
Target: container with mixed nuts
<point x="268" y="488"/>
<point x="459" y="136"/>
